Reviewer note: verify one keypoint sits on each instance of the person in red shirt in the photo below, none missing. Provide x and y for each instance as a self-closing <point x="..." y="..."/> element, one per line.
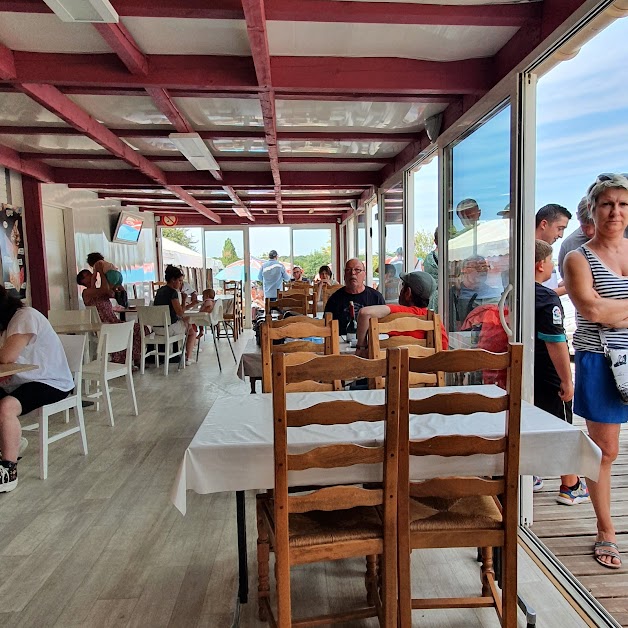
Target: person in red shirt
<point x="416" y="289"/>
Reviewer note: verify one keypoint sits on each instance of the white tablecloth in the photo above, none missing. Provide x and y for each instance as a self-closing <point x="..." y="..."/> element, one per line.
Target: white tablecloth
<point x="233" y="448"/>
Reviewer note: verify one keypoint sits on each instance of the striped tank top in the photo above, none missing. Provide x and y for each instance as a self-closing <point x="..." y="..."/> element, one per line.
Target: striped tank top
<point x="610" y="285"/>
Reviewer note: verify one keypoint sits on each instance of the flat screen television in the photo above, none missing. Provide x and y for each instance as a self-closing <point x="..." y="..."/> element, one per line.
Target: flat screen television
<point x="128" y="228"/>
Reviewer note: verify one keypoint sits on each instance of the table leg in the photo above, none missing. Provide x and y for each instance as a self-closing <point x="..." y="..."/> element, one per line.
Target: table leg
<point x="253" y="381"/>
<point x="243" y="570"/>
<point x="123" y="317"/>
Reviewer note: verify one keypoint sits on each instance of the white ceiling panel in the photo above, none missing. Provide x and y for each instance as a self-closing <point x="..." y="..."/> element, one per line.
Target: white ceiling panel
<point x="45" y="32"/>
<point x="19" y="109"/>
<point x="221" y="113"/>
<point x="91" y="165"/>
<point x="315" y="115"/>
<point x="326" y="167"/>
<point x="332" y="192"/>
<point x="51" y="143"/>
<point x="181" y="36"/>
<point x="333" y="148"/>
<point x="238" y="147"/>
<point x="126" y="112"/>
<point x="409" y="41"/>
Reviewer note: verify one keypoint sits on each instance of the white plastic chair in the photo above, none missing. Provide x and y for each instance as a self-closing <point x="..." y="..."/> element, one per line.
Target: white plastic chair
<point x="72" y="317"/>
<point x="74" y="347"/>
<point x="137" y="303"/>
<point x="112" y="338"/>
<point x="159" y="316"/>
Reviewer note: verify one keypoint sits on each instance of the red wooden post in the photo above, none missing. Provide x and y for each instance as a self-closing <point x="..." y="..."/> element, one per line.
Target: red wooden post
<point x="36" y="245"/>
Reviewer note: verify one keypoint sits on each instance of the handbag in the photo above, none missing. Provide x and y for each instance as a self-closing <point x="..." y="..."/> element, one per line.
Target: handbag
<point x="618" y="361"/>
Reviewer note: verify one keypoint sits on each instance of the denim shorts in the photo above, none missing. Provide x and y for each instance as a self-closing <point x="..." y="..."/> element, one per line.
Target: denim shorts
<point x="596" y="396"/>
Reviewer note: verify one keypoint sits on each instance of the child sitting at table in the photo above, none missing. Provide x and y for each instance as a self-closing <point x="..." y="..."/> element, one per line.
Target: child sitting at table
<point x="113" y="276"/>
<point x="209" y="300"/>
<point x="553" y="387"/>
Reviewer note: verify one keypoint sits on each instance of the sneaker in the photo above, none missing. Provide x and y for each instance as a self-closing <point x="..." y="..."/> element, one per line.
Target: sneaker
<point x="538" y="483"/>
<point x="571" y="497"/>
<point x="188" y="362"/>
<point x="8" y="477"/>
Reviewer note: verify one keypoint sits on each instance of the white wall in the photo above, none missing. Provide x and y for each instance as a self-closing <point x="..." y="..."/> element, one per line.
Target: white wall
<point x="88" y="227"/>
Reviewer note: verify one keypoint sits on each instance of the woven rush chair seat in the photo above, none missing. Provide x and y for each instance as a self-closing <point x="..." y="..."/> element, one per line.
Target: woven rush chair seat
<point x="320" y="528"/>
<point x="464" y="513"/>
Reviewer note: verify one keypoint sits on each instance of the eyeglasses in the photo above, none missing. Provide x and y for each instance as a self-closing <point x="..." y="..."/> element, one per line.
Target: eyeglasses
<point x="354" y="271"/>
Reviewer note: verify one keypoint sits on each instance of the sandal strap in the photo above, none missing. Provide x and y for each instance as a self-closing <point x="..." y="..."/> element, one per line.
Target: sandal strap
<point x="600" y="544"/>
<point x="607" y="552"/>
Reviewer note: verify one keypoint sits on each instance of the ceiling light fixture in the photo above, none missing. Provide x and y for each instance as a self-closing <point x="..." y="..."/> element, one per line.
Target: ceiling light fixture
<point x="97" y="11"/>
<point x="194" y="149"/>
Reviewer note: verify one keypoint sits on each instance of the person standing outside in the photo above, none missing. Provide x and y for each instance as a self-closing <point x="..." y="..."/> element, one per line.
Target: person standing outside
<point x="551" y="222"/>
<point x="272" y="274"/>
<point x="430" y="266"/>
<point x="354" y="291"/>
<point x="596" y="278"/>
<point x="553" y="388"/>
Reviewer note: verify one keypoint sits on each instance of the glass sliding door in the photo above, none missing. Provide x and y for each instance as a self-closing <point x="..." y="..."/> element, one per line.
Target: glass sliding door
<point x="372" y="262"/>
<point x="478" y="238"/>
<point x="423" y="220"/>
<point x="393" y="257"/>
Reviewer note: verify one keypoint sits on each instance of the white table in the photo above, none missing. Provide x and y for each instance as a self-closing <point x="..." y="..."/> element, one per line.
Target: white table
<point x="233" y="448"/>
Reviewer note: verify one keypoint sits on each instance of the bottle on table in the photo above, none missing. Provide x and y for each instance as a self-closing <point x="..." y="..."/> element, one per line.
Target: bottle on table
<point x="352" y="327"/>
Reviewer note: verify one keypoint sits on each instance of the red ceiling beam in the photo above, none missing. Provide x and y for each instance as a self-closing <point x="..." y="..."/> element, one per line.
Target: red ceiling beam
<point x="258" y="39"/>
<point x="7" y="64"/>
<point x="282" y="136"/>
<point x="123" y="44"/>
<point x="164" y="103"/>
<point x="251" y="200"/>
<point x="400" y="76"/>
<point x="221" y="73"/>
<point x="95" y="178"/>
<point x="13" y="160"/>
<point x="315" y="11"/>
<point x="400" y="13"/>
<point x="262" y="219"/>
<point x="332" y="75"/>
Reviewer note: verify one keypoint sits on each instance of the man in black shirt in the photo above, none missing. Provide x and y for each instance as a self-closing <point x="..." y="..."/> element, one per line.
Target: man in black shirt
<point x="353" y="290"/>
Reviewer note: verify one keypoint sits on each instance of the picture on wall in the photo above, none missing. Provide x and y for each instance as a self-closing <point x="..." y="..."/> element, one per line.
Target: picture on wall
<point x="12" y="250"/>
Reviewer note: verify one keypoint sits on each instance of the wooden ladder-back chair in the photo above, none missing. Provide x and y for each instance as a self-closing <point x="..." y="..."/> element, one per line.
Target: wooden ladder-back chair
<point x="430" y="325"/>
<point x="328" y="291"/>
<point x="463" y="511"/>
<point x="232" y="316"/>
<point x="341" y="521"/>
<point x="297" y="302"/>
<point x="297" y="327"/>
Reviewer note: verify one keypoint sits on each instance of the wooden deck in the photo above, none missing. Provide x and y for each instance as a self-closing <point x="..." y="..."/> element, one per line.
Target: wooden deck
<point x="569" y="532"/>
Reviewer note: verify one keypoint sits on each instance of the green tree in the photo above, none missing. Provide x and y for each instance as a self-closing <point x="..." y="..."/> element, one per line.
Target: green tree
<point x="423" y="243"/>
<point x="229" y="254"/>
<point x="180" y="236"/>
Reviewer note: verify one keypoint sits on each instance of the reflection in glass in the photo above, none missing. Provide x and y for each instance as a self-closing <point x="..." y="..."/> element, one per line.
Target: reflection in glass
<point x="478" y="229"/>
<point x="362" y="236"/>
<point x="375" y="244"/>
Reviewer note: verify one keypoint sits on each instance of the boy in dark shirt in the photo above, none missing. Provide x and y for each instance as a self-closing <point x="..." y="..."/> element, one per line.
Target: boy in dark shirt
<point x="553" y="386"/>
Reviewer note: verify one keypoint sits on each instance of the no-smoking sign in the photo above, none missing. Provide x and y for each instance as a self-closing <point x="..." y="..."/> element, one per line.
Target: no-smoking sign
<point x="170" y="221"/>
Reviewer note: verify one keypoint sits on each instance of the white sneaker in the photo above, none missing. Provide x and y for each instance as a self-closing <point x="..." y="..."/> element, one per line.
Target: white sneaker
<point x="188" y="362"/>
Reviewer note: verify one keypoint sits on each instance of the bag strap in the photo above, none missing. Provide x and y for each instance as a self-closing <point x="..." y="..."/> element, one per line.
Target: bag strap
<point x="603" y="341"/>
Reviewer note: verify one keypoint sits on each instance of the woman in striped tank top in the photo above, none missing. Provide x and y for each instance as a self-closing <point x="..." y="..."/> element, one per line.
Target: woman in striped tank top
<point x="596" y="278"/>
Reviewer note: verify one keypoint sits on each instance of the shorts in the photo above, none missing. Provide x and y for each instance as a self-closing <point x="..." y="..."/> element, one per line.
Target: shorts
<point x="597" y="398"/>
<point x="547" y="399"/>
<point x="175" y="329"/>
<point x="114" y="277"/>
<point x="33" y="395"/>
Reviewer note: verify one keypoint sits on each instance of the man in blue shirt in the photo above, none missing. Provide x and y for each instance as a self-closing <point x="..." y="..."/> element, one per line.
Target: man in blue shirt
<point x="272" y="274"/>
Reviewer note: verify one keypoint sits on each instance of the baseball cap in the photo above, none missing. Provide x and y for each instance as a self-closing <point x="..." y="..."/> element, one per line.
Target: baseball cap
<point x="272" y="253"/>
<point x="421" y="283"/>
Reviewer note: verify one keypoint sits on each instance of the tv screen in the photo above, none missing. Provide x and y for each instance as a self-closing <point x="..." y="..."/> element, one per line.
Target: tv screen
<point x="128" y="228"/>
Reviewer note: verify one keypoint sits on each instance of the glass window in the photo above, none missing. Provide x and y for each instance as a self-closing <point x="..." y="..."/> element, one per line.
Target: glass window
<point x="478" y="229"/>
<point x="311" y="250"/>
<point x="224" y="254"/>
<point x="374" y="235"/>
<point x="183" y="247"/>
<point x="424" y="219"/>
<point x="361" y="254"/>
<point x="393" y="238"/>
